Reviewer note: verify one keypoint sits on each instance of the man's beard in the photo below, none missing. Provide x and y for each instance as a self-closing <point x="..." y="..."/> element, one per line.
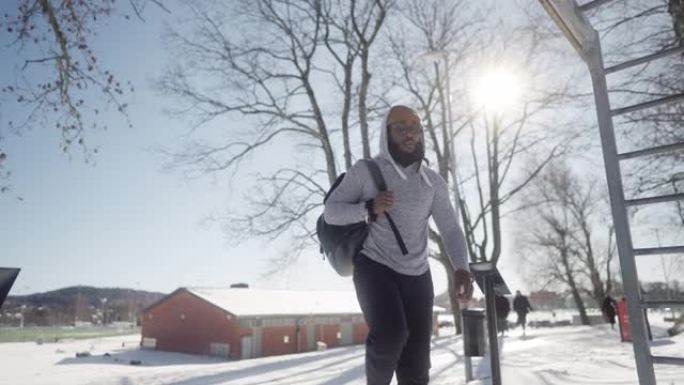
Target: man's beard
<point x="405" y="159"/>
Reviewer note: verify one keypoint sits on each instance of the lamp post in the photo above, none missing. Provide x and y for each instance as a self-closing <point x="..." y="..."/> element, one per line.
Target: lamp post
<point x="675" y="179"/>
<point x="496" y="91"/>
<point x="104" y="310"/>
<point x="21" y="316"/>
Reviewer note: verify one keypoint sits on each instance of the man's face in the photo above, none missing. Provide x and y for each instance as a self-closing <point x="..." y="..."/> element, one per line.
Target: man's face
<point x="404" y="128"/>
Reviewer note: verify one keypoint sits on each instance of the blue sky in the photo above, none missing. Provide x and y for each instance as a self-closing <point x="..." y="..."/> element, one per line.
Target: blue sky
<point x="121" y="221"/>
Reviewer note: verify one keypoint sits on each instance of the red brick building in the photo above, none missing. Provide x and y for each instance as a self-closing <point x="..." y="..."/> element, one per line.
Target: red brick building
<point x="240" y="323"/>
<point x="546" y="300"/>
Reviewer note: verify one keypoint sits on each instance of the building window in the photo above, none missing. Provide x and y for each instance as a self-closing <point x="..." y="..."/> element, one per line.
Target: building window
<point x="219" y="349"/>
<point x="149" y="343"/>
<point x="286" y="339"/>
<point x="339" y="335"/>
<point x="279" y="322"/>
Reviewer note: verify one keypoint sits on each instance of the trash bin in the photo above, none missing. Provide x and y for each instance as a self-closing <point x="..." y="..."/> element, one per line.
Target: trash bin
<point x="473" y="332"/>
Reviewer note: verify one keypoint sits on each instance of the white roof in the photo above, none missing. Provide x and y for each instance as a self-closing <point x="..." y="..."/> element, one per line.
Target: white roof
<point x="256" y="302"/>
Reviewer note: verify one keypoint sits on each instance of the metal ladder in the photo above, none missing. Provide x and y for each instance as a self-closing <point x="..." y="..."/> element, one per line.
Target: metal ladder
<point x="569" y="18"/>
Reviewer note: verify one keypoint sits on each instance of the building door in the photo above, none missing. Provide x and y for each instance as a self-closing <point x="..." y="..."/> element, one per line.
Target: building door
<point x="257" y="344"/>
<point x="310" y="337"/>
<point x="246" y="347"/>
<point x="346" y="333"/>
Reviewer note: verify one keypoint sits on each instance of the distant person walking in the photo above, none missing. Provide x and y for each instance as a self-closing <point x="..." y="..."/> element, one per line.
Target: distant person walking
<point x="503" y="308"/>
<point x="609" y="309"/>
<point x="522" y="306"/>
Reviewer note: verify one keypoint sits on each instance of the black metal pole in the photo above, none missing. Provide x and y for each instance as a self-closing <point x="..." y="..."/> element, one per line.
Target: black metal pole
<point x="491" y="328"/>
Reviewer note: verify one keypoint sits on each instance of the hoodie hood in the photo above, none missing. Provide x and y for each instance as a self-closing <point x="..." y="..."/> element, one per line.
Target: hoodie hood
<point x="385" y="153"/>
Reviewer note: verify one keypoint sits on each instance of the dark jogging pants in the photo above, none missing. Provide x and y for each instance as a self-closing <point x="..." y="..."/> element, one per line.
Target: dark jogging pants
<point x="398" y="311"/>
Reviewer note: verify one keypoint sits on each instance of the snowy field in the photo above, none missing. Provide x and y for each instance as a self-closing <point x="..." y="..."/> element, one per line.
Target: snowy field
<point x="561" y="355"/>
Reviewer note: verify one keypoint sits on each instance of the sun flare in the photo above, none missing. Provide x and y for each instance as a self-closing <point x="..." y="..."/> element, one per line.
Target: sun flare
<point x="497" y="90"/>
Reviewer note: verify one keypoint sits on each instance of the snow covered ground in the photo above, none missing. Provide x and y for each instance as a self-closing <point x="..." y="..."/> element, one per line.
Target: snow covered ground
<point x="561" y="355"/>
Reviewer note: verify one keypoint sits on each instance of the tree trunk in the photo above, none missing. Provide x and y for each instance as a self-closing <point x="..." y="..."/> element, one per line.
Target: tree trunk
<point x="346" y="107"/>
<point x="599" y="292"/>
<point x="363" y="110"/>
<point x="323" y="131"/>
<point x="573" y="288"/>
<point x="676" y="10"/>
<point x="494" y="195"/>
<point x="451" y="288"/>
<point x="453" y="299"/>
<point x="443" y="161"/>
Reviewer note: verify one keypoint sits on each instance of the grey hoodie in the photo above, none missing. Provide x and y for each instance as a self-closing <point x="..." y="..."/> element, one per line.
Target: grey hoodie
<point x="419" y="193"/>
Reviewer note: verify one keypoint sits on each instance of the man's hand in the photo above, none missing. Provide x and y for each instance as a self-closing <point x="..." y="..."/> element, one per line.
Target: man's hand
<point x="382" y="202"/>
<point x="464" y="284"/>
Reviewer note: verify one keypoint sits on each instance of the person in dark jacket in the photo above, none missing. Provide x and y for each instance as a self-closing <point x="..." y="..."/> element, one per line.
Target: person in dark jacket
<point x="522" y="306"/>
<point x="609" y="309"/>
<point x="503" y="308"/>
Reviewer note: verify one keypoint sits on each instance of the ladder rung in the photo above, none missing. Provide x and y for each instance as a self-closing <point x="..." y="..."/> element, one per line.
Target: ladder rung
<point x="593" y="4"/>
<point x="651" y="151"/>
<point x="649" y="104"/>
<point x="644" y="59"/>
<point x="659" y="250"/>
<point x="668" y="360"/>
<point x="663" y="303"/>
<point x="655" y="199"/>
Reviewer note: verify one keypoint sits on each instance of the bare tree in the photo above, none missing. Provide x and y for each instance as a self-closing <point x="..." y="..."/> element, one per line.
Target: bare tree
<point x="445" y="30"/>
<point x="584" y="205"/>
<point x="345" y="50"/>
<point x="549" y="241"/>
<point x="58" y="70"/>
<point x="367" y="20"/>
<point x="351" y="29"/>
<point x="676" y="10"/>
<point x="275" y="78"/>
<point x="480" y="166"/>
<point x="566" y="211"/>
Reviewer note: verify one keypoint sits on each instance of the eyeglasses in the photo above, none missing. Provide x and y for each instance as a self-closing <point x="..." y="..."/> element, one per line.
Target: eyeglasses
<point x="404" y="129"/>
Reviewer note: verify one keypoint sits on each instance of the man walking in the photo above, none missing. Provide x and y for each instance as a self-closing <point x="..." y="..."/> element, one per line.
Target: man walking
<point x="522" y="306"/>
<point x="609" y="309"/>
<point x="392" y="280"/>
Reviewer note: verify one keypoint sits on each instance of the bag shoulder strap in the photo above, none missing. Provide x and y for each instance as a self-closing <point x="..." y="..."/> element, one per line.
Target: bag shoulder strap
<point x="376" y="174"/>
<point x="333" y="187"/>
<point x="382" y="186"/>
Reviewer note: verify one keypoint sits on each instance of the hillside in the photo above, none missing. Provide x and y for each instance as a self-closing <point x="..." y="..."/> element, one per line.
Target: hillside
<point x="78" y="303"/>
